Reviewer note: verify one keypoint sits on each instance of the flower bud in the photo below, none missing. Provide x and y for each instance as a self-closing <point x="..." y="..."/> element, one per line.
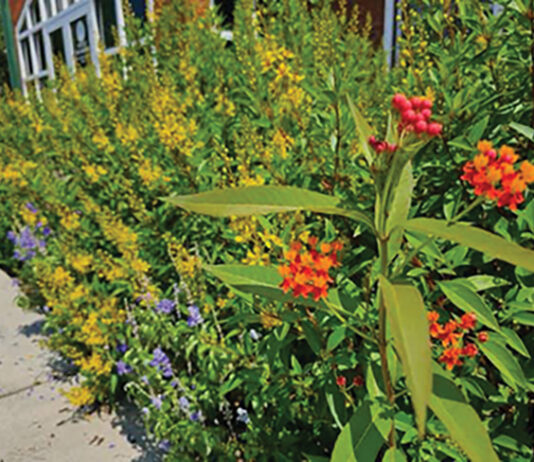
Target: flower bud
<point x="420" y="126"/>
<point x="483" y="337"/>
<point x="358" y="381"/>
<point x="399" y="100"/>
<point x="434" y="129"/>
<point x="427" y="113"/>
<point x="416" y="102"/>
<point x="492" y="154"/>
<point x="409" y="116"/>
<point x="507" y="158"/>
<point x="341" y="381"/>
<point x="426" y="103"/>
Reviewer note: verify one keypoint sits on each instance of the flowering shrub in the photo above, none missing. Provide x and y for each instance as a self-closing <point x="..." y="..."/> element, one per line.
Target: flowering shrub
<point x="290" y="351"/>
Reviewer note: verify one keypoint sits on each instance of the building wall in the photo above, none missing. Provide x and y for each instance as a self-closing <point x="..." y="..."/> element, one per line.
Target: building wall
<point x="15" y="6"/>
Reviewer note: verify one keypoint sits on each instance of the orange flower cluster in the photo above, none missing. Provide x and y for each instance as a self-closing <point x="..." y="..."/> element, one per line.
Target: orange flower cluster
<point x="450" y="334"/>
<point x="495" y="176"/>
<point x="307" y="269"/>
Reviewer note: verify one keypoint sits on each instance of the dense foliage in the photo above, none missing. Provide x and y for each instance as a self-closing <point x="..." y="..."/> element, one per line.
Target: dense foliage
<point x="130" y="284"/>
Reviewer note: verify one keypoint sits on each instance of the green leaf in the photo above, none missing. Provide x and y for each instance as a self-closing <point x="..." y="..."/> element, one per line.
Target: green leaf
<point x="312" y="337"/>
<point x="394" y="455"/>
<point x="526" y="131"/>
<point x="399" y="209"/>
<point x="461" y="420"/>
<point x="524" y="318"/>
<point x="260" y="200"/>
<point x="515" y="341"/>
<point x="477" y="130"/>
<point x="469" y="301"/>
<point x="505" y="361"/>
<point x="477" y="239"/>
<point x="363" y="436"/>
<point x="407" y="317"/>
<point x="364" y="131"/>
<point x="483" y="282"/>
<point x="336" y="404"/>
<point x="265" y="281"/>
<point x="335" y="338"/>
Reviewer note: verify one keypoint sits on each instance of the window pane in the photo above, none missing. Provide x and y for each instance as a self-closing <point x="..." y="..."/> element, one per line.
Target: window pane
<point x="58" y="45"/>
<point x="35" y="12"/>
<point x="80" y="40"/>
<point x="24" y="26"/>
<point x="26" y="56"/>
<point x="139" y="8"/>
<point x="39" y="50"/>
<point x="107" y="22"/>
<point x="59" y="5"/>
<point x="48" y="8"/>
<point x="43" y="81"/>
<point x="226" y="10"/>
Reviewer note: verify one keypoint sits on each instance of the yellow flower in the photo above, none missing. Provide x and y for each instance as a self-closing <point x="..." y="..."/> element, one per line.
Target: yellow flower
<point x="70" y="221"/>
<point x="81" y="263"/>
<point x="269" y="320"/>
<point x="256" y="257"/>
<point x="149" y="173"/>
<point x="94" y="172"/>
<point x="128" y="134"/>
<point x="94" y="364"/>
<point x="78" y="292"/>
<point x="80" y="396"/>
<point x="140" y="266"/>
<point x="61" y="277"/>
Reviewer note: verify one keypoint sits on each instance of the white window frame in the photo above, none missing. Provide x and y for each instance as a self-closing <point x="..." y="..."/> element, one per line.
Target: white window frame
<point x="70" y="11"/>
<point x="48" y="24"/>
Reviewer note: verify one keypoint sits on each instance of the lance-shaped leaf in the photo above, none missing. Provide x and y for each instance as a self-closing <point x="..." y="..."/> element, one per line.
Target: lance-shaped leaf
<point x="260" y="200"/>
<point x="407" y="317"/>
<point x="505" y="361"/>
<point x="461" y="420"/>
<point x="265" y="281"/>
<point x="399" y="210"/>
<point x="394" y="455"/>
<point x="364" y="131"/>
<point x="469" y="301"/>
<point x="363" y="436"/>
<point x="476" y="238"/>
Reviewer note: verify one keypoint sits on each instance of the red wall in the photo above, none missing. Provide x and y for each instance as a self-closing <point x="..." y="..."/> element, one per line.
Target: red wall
<point x="15" y="6"/>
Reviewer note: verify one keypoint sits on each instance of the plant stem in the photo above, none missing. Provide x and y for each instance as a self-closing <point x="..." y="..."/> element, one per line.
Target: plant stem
<point x="382" y="342"/>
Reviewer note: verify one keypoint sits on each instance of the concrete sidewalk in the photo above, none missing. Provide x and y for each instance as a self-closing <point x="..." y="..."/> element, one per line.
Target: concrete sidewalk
<point x="36" y="422"/>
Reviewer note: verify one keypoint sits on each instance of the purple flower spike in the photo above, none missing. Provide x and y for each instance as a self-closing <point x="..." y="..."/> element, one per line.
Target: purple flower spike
<point x="162" y="362"/>
<point x="123" y="368"/>
<point x="164" y="445"/>
<point x="31" y="207"/>
<point x="195" y="416"/>
<point x="184" y="403"/>
<point x="122" y="348"/>
<point x="194" y="318"/>
<point x="157" y="402"/>
<point x="165" y="306"/>
<point x="12" y="236"/>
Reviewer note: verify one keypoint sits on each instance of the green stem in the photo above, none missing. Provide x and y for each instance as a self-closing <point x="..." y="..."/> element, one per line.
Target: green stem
<point x="423" y="244"/>
<point x="382" y="342"/>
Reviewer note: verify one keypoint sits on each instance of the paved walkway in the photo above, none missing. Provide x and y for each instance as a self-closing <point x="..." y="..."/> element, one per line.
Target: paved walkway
<point x="36" y="422"/>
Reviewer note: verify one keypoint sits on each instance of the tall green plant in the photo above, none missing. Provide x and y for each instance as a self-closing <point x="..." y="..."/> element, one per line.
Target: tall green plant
<point x="399" y="304"/>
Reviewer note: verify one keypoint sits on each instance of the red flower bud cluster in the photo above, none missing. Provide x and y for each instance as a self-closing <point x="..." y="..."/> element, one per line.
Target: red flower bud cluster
<point x="381" y="146"/>
<point x="416" y="115"/>
<point x="450" y="334"/>
<point x="357" y="381"/>
<point x="307" y="269"/>
<point x="495" y="177"/>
